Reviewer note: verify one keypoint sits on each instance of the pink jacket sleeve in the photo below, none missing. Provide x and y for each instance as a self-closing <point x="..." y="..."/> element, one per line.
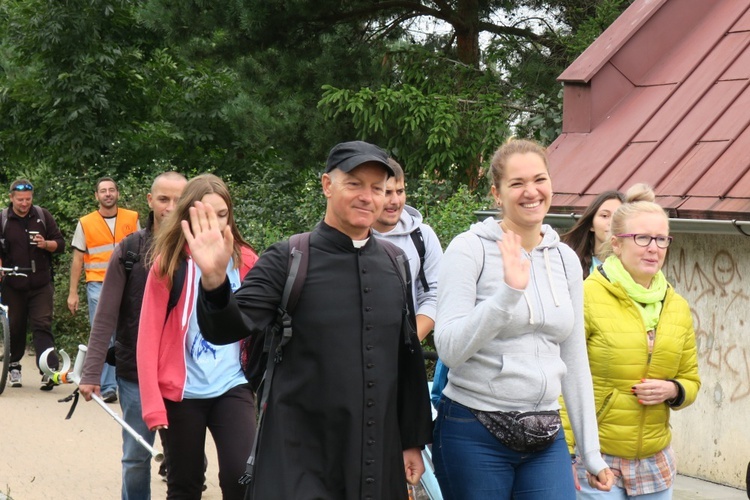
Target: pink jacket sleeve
<point x="150" y="329"/>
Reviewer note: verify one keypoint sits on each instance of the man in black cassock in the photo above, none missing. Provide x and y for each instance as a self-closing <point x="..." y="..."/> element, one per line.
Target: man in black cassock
<point x="348" y="410"/>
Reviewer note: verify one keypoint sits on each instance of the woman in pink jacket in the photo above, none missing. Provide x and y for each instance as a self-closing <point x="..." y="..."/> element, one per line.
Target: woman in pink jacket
<point x="187" y="384"/>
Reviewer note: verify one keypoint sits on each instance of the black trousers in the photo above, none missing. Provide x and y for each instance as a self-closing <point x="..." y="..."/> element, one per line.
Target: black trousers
<point x="30" y="308"/>
<point x="231" y="420"/>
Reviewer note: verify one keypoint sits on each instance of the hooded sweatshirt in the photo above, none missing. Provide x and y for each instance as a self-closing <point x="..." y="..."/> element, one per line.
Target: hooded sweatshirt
<point x="516" y="350"/>
<point x="411" y="219"/>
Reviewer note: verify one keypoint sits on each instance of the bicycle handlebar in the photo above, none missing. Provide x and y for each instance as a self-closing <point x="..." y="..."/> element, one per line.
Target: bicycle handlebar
<point x="19" y="271"/>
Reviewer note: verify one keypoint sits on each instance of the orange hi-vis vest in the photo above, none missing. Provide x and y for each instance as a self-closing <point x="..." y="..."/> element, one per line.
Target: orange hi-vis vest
<point x="100" y="242"/>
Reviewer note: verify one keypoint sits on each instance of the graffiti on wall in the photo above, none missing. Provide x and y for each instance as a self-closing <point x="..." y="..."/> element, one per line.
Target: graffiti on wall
<point x="715" y="290"/>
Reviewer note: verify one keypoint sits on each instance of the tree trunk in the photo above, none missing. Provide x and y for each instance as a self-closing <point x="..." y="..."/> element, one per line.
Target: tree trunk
<point x="467" y="45"/>
<point x="467" y="36"/>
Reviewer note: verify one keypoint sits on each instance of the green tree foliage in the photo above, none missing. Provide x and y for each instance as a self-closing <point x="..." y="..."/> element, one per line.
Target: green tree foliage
<point x="448" y="104"/>
<point x="439" y="82"/>
<point x="258" y="91"/>
<point x="282" y="55"/>
<point x="85" y="88"/>
<point x="440" y="119"/>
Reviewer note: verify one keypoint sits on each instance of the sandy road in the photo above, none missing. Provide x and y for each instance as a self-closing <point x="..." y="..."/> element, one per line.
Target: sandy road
<point x="45" y="456"/>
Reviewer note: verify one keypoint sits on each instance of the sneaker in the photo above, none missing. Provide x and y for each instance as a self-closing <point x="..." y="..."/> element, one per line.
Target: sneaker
<point x="14" y="375"/>
<point x="109" y="396"/>
<point x="47" y="384"/>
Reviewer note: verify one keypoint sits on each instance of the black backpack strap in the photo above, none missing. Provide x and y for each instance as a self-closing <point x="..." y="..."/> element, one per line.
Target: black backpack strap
<point x="299" y="250"/>
<point x="130" y="252"/>
<point x="418" y="239"/>
<point x="299" y="253"/>
<point x="178" y="282"/>
<point x="401" y="264"/>
<point x="40" y="215"/>
<point x="37" y="210"/>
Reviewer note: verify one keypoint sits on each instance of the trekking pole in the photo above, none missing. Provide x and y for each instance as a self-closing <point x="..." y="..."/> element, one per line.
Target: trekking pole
<point x="65" y="376"/>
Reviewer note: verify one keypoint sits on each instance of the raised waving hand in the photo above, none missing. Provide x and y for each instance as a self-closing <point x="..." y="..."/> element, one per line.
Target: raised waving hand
<point x="210" y="247"/>
<point x="515" y="265"/>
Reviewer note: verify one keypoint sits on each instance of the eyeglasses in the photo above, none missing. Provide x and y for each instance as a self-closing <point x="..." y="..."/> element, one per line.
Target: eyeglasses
<point x="23" y="187"/>
<point x="644" y="240"/>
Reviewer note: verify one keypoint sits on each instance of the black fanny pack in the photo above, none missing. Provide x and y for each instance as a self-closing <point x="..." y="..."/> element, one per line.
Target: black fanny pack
<point x="524" y="432"/>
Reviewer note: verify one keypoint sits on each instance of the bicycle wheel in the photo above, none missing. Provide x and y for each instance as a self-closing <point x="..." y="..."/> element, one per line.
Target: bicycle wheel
<point x="4" y="350"/>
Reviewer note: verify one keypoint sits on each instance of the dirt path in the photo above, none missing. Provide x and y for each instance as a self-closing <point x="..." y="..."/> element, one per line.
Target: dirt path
<point x="45" y="456"/>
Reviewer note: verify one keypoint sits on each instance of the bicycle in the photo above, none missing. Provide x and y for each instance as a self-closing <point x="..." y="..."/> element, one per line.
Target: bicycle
<point x="5" y="326"/>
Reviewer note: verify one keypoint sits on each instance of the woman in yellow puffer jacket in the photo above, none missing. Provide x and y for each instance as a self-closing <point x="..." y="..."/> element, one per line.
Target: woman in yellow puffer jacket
<point x="641" y="347"/>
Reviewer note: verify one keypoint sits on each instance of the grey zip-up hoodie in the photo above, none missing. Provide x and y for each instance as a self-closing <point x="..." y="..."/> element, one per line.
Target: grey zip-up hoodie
<point x="410" y="220"/>
<point x="516" y="350"/>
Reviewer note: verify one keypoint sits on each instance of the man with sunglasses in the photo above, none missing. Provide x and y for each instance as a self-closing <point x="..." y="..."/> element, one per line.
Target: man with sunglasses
<point x="29" y="238"/>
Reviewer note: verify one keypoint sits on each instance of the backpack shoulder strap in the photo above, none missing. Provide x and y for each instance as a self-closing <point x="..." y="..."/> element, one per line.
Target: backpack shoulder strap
<point x="400" y="263"/>
<point x="299" y="253"/>
<point x="296" y="273"/>
<point x="299" y="250"/>
<point x="130" y="252"/>
<point x="397" y="258"/>
<point x="40" y="215"/>
<point x="178" y="281"/>
<point x="4" y="218"/>
<point x="418" y="239"/>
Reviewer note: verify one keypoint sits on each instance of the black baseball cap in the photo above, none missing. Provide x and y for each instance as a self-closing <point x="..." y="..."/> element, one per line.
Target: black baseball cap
<point x="347" y="156"/>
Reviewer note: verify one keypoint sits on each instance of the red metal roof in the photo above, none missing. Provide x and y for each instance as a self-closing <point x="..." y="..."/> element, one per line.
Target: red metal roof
<point x="663" y="97"/>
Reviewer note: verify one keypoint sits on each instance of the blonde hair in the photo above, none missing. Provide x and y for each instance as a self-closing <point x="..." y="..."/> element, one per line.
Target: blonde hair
<point x="511" y="147"/>
<point x="639" y="199"/>
<point x="170" y="243"/>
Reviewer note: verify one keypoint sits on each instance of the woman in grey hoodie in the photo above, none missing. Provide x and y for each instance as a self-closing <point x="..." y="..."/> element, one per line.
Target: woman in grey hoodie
<point x="510" y="328"/>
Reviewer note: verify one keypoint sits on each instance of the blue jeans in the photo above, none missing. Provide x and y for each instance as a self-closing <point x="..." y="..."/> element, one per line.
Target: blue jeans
<point x="136" y="460"/>
<point x="617" y="493"/>
<point x="93" y="291"/>
<point x="471" y="463"/>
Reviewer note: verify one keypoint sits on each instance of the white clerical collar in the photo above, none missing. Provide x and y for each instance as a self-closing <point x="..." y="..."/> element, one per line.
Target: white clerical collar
<point x="360" y="243"/>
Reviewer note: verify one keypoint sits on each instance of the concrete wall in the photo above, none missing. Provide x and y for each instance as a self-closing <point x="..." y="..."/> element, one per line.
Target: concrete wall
<point x="712" y="437"/>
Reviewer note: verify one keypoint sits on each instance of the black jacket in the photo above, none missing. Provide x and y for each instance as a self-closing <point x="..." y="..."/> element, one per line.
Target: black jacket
<point x="349" y="395"/>
<point x="126" y="289"/>
<point x="18" y="252"/>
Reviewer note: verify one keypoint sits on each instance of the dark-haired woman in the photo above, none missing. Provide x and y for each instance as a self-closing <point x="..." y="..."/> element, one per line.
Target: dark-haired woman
<point x="591" y="231"/>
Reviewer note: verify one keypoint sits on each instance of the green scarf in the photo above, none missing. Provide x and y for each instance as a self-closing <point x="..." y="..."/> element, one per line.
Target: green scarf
<point x="648" y="300"/>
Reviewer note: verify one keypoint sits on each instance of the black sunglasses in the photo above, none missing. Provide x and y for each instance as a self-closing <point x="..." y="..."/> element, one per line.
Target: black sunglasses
<point x="23" y="187"/>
